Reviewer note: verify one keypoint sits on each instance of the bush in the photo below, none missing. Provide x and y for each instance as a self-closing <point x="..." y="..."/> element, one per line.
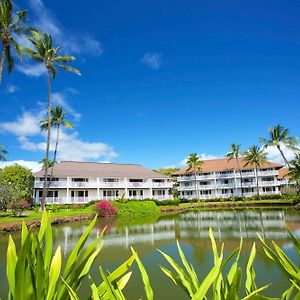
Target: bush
<point x="137" y="208"/>
<point x="18" y="206"/>
<point x="105" y="208"/>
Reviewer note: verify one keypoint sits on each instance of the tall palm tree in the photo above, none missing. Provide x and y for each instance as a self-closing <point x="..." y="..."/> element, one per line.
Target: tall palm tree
<point x="280" y="136"/>
<point x="43" y="163"/>
<point x="57" y="120"/>
<point x="43" y="52"/>
<point x="194" y="164"/>
<point x="255" y="156"/>
<point x="3" y="153"/>
<point x="294" y="171"/>
<point x="234" y="153"/>
<point x="9" y="27"/>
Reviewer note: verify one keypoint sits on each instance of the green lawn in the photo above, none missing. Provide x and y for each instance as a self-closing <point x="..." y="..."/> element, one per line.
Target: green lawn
<point x="32" y="215"/>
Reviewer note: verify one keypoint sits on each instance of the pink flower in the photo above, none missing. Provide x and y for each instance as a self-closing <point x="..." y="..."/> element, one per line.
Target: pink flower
<point x="105" y="208"/>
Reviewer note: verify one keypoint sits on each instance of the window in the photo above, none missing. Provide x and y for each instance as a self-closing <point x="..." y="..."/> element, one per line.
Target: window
<point x="135" y="180"/>
<point x="80" y="179"/>
<point x="110" y="193"/>
<point x="110" y="180"/>
<point x="267" y="179"/>
<point x="158" y="180"/>
<point x="50" y="194"/>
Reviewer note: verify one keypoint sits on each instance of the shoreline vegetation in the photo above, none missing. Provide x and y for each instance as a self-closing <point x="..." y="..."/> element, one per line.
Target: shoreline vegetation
<point x="132" y="211"/>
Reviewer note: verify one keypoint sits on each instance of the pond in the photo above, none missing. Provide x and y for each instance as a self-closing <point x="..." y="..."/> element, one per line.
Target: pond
<point x="191" y="230"/>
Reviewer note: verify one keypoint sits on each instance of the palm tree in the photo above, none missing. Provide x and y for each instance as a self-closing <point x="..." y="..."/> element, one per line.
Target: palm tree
<point x="255" y="156"/>
<point x="43" y="52"/>
<point x="195" y="165"/>
<point x="280" y="136"/>
<point x="294" y="171"/>
<point x="43" y="163"/>
<point x="57" y="120"/>
<point x="3" y="153"/>
<point x="9" y="26"/>
<point x="235" y="153"/>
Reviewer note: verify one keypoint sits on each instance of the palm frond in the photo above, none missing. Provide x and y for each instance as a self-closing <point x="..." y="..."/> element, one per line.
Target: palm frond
<point x="70" y="69"/>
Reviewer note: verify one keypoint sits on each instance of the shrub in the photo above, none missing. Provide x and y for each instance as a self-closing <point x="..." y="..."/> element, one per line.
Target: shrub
<point x="105" y="208"/>
<point x="137" y="208"/>
<point x="18" y="206"/>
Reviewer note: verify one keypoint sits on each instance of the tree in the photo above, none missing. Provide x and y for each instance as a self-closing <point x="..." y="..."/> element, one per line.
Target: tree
<point x="167" y="171"/>
<point x="255" y="156"/>
<point x="294" y="171"/>
<point x="3" y="153"/>
<point x="20" y="180"/>
<point x="194" y="165"/>
<point x="50" y="163"/>
<point x="279" y="136"/>
<point x="234" y="153"/>
<point x="9" y="26"/>
<point x="43" y="52"/>
<point x="57" y="120"/>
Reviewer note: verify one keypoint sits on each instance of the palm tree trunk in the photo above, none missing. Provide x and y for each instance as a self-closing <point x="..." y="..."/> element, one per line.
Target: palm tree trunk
<point x="256" y="180"/>
<point x="240" y="176"/>
<point x="196" y="188"/>
<point x="46" y="188"/>
<point x="283" y="156"/>
<point x="2" y="62"/>
<point x="54" y="157"/>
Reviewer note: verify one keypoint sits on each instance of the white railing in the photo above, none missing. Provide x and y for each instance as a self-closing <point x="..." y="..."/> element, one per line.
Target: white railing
<point x="54" y="184"/>
<point x="165" y="184"/>
<point x="138" y="184"/>
<point x="117" y="184"/>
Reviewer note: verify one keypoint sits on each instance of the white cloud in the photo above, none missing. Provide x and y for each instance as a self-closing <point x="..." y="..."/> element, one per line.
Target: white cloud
<point x="11" y="89"/>
<point x="32" y="70"/>
<point x="61" y="100"/>
<point x="25" y="125"/>
<point x="152" y="60"/>
<point x="275" y="156"/>
<point x="70" y="41"/>
<point x="34" y="166"/>
<point x="202" y="156"/>
<point x="71" y="146"/>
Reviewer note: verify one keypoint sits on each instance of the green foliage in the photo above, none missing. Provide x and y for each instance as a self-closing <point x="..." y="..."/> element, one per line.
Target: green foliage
<point x="136" y="208"/>
<point x="167" y="171"/>
<point x="20" y="179"/>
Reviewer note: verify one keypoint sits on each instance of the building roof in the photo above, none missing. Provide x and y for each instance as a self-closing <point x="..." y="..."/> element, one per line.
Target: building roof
<point x="94" y="170"/>
<point x="282" y="173"/>
<point x="223" y="164"/>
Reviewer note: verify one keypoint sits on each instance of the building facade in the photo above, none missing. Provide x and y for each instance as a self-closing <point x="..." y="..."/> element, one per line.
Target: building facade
<point x="221" y="178"/>
<point x="82" y="182"/>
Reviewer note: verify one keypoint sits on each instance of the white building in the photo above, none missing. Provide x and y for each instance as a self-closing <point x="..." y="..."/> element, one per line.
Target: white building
<point x="220" y="178"/>
<point x="81" y="182"/>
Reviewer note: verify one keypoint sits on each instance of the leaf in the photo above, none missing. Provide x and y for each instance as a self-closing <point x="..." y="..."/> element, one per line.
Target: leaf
<point x="12" y="259"/>
<point x="54" y="273"/>
<point x="146" y="281"/>
<point x="72" y="294"/>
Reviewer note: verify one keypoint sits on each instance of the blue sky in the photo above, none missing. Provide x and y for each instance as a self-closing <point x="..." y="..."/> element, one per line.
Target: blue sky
<point x="160" y="79"/>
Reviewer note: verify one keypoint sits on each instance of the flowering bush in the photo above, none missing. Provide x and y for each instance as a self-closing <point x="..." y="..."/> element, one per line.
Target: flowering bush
<point x="18" y="206"/>
<point x="105" y="208"/>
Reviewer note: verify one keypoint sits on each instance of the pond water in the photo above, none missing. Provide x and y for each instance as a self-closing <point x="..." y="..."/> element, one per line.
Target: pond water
<point x="191" y="229"/>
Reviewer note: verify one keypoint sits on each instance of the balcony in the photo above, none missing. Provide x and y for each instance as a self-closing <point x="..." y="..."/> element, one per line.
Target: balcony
<point x="54" y="184"/>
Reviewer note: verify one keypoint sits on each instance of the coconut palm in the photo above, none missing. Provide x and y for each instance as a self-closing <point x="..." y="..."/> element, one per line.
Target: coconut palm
<point x="43" y="52"/>
<point x="43" y="163"/>
<point x="234" y="153"/>
<point x="3" y="153"/>
<point x="194" y="164"/>
<point x="294" y="171"/>
<point x="279" y="136"/>
<point x="57" y="120"/>
<point x="255" y="156"/>
<point x="9" y="27"/>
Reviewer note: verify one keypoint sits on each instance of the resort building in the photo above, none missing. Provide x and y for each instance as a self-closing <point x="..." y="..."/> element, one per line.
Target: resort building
<point x="220" y="178"/>
<point x="82" y="182"/>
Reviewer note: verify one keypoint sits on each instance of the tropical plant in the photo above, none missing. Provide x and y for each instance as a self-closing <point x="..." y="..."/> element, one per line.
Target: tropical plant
<point x="17" y="206"/>
<point x="44" y="52"/>
<point x="3" y="153"/>
<point x="255" y="156"/>
<point x="105" y="208"/>
<point x="235" y="153"/>
<point x="216" y="285"/>
<point x="50" y="163"/>
<point x="279" y="136"/>
<point x="9" y="27"/>
<point x="167" y="171"/>
<point x="293" y="173"/>
<point x="194" y="164"/>
<point x="57" y="120"/>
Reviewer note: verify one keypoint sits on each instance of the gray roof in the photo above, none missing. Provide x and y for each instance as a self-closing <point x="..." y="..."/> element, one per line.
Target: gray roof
<point x="93" y="169"/>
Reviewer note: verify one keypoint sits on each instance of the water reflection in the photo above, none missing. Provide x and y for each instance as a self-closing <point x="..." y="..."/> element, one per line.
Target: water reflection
<point x="194" y="225"/>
